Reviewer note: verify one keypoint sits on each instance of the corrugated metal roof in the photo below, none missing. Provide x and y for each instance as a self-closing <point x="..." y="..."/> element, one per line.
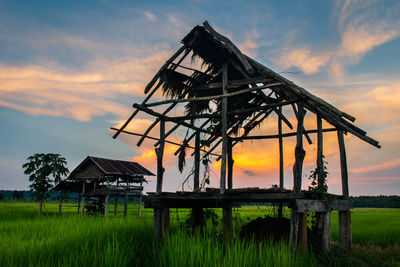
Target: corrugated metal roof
<point x="120" y="167"/>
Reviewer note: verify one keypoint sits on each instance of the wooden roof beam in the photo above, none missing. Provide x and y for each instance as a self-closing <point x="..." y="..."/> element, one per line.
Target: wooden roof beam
<point x="282" y="135"/>
<point x="166" y="118"/>
<point x="207" y="98"/>
<point x="155" y="88"/>
<point x="157" y="139"/>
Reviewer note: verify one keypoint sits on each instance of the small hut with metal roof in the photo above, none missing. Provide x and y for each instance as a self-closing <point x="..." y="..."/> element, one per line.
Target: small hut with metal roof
<point x="99" y="179"/>
<point x="221" y="103"/>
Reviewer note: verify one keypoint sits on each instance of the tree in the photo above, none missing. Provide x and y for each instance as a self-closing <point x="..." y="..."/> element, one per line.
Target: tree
<point x="40" y="167"/>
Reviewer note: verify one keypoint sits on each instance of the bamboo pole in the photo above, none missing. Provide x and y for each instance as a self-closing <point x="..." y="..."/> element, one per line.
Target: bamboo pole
<point x="224" y="128"/>
<point x="230" y="164"/>
<point x="281" y="165"/>
<point x="160" y="153"/>
<point x="196" y="181"/>
<point x="83" y="198"/>
<point x="225" y="94"/>
<point x="116" y="206"/>
<point x="299" y="151"/>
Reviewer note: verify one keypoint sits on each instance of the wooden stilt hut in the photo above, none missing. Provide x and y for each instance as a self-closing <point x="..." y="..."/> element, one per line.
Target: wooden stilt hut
<point x="223" y="102"/>
<point x="96" y="180"/>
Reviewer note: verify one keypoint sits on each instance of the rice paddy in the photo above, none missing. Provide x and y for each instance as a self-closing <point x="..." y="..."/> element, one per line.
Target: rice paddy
<point x="28" y="239"/>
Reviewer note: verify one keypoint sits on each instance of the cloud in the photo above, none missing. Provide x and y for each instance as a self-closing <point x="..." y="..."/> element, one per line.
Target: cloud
<point x="150" y="16"/>
<point x="250" y="45"/>
<point x="304" y="58"/>
<point x="97" y="90"/>
<point x="362" y="27"/>
<point x="383" y="166"/>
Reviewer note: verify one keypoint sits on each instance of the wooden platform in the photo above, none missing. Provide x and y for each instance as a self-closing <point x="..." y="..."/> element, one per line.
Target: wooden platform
<point x="211" y="198"/>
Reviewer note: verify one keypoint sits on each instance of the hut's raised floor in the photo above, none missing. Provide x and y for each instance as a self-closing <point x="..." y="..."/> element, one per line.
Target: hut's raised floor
<point x="211" y="198"/>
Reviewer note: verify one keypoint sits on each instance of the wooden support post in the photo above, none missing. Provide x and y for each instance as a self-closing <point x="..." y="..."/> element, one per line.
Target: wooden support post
<point x="116" y="206"/>
<point x="344" y="216"/>
<point x="345" y="230"/>
<point x="166" y="220"/>
<point x="224" y="127"/>
<point x="160" y="153"/>
<point x="197" y="213"/>
<point x="230" y="163"/>
<point x="299" y="151"/>
<point x="197" y="220"/>
<point x="281" y="166"/>
<point x="320" y="160"/>
<point x="294" y="231"/>
<point x="83" y="198"/>
<point x="161" y="222"/>
<point x="196" y="178"/>
<point x="158" y="226"/>
<point x="106" y="204"/>
<point x="324" y="229"/>
<point x="343" y="164"/>
<point x="227" y="222"/>
<point x="125" y="204"/>
<point x="140" y="205"/>
<point x="302" y="239"/>
<point x="79" y="202"/>
<point x="60" y="203"/>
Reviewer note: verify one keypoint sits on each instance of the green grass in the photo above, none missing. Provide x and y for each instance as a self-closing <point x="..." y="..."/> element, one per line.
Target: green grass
<point x="28" y="239"/>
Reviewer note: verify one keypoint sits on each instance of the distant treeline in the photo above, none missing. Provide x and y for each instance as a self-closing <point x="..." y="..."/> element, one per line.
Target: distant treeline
<point x="50" y="196"/>
<point x="358" y="202"/>
<point x="376" y="201"/>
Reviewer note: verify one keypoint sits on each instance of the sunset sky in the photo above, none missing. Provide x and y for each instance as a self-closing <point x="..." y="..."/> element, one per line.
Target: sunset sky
<point x="70" y="70"/>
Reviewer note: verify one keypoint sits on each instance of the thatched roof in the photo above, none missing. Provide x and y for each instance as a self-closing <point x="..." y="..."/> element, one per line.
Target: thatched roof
<point x="254" y="91"/>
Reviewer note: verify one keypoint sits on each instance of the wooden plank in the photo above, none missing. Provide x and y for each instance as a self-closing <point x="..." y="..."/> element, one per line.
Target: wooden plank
<point x="343" y="164"/>
<point x="160" y="153"/>
<point x="234" y="112"/>
<point x="345" y="230"/>
<point x="312" y="205"/>
<point x="214" y="97"/>
<point x="299" y="151"/>
<point x="224" y="127"/>
<point x="234" y="83"/>
<point x="273" y="136"/>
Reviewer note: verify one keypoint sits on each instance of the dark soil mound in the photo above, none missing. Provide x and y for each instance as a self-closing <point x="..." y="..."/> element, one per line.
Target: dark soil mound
<point x="266" y="228"/>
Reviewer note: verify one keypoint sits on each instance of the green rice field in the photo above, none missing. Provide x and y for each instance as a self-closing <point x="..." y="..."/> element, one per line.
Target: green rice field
<point x="28" y="239"/>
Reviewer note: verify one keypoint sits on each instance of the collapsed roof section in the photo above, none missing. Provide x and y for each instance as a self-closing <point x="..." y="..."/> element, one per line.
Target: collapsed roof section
<point x="253" y="92"/>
